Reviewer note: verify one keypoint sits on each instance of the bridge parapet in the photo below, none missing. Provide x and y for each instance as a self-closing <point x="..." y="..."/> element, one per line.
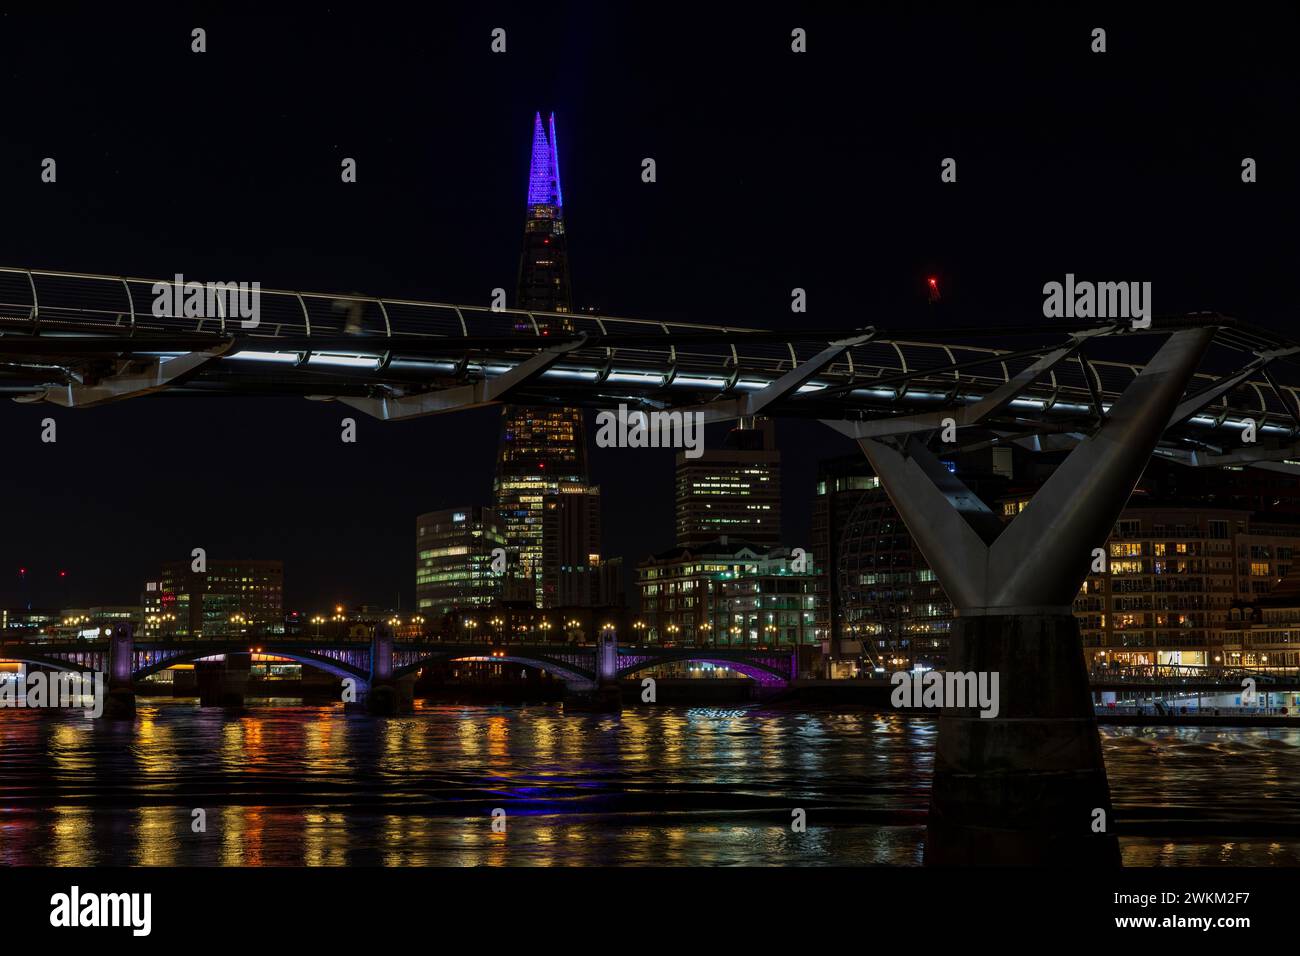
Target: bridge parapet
<point x="358" y="660"/>
<point x="768" y="667"/>
<point x="1187" y="674"/>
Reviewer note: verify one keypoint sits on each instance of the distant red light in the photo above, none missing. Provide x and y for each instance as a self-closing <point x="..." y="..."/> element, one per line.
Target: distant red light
<point x="63" y="574"/>
<point x="934" y="282"/>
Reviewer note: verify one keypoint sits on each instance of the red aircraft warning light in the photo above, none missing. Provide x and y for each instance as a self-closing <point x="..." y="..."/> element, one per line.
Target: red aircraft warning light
<point x="933" y="283"/>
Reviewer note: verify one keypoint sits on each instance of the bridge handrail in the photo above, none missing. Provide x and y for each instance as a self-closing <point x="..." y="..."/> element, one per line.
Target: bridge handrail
<point x="88" y="301"/>
<point x="1175" y="672"/>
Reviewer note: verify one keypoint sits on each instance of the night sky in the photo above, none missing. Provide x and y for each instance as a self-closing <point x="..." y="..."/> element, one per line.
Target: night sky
<point x="775" y="170"/>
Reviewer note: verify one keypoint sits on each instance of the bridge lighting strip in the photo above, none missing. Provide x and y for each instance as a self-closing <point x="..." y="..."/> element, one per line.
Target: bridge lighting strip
<point x="635" y="378"/>
<point x="346" y="361"/>
<point x="578" y="374"/>
<point x="292" y="358"/>
<point x="282" y="358"/>
<point x="689" y="381"/>
<point x="447" y="367"/>
<point x="1238" y="423"/>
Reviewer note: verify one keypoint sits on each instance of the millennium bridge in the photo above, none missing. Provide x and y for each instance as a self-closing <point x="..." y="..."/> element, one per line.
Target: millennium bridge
<point x="1203" y="390"/>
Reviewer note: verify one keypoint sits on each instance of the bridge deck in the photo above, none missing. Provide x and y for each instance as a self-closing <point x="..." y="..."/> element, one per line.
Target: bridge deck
<point x="80" y="339"/>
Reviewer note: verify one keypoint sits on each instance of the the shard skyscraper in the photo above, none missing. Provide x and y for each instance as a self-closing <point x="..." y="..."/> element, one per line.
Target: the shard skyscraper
<point x="543" y="451"/>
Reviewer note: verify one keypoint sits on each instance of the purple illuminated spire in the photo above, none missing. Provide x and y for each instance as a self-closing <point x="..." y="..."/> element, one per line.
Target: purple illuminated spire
<point x="544" y="170"/>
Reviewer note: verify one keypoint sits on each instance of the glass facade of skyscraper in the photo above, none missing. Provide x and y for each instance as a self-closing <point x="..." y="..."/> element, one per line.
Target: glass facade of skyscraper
<point x="453" y="560"/>
<point x="732" y="492"/>
<point x="227" y="599"/>
<point x="541" y="449"/>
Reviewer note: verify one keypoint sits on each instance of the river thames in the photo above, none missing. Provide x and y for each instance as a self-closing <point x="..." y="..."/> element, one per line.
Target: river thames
<point x="297" y="785"/>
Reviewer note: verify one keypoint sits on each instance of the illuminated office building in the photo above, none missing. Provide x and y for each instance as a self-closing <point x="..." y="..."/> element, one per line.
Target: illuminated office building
<point x="28" y="620"/>
<point x="1263" y="632"/>
<point x="1189" y="567"/>
<point x="541" y="449"/>
<point x="733" y="491"/>
<point x="573" y="572"/>
<point x="453" y="560"/>
<point x="228" y="599"/>
<point x="727" y="593"/>
<point x="886" y="608"/>
<point x="841" y="484"/>
<point x="94" y="623"/>
<point x="1174" y="578"/>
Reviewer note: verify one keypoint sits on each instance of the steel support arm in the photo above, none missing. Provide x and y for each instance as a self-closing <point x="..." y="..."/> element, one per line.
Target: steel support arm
<point x="1252" y="455"/>
<point x="488" y="391"/>
<point x="955" y="551"/>
<point x="992" y="403"/>
<point x="747" y="406"/>
<point x="1195" y="403"/>
<point x="1038" y="560"/>
<point x="1044" y="553"/>
<point x="157" y="375"/>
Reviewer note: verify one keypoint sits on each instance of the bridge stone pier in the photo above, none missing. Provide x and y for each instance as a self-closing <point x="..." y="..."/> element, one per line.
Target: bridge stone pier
<point x="1025" y="787"/>
<point x="224" y="683"/>
<point x="608" y="693"/>
<point x="386" y="694"/>
<point x="120" y="701"/>
<point x="602" y="692"/>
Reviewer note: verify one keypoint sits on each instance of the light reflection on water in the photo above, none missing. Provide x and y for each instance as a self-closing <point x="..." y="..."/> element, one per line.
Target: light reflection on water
<point x="1206" y="796"/>
<point x="669" y="786"/>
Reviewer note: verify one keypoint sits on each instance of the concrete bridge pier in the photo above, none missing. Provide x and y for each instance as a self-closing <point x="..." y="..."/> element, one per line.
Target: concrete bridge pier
<point x="1027" y="784"/>
<point x="389" y="698"/>
<point x="386" y="695"/>
<point x="185" y="683"/>
<point x="120" y="699"/>
<point x="224" y="683"/>
<point x="604" y="694"/>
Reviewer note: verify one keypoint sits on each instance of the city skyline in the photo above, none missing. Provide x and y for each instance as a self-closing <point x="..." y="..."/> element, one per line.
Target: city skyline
<point x="452" y="236"/>
<point x="562" y="436"/>
<point x="558" y="439"/>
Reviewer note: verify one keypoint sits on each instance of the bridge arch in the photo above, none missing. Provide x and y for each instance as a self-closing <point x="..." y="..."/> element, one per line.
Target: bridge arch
<point x="329" y="665"/>
<point x="564" y="671"/>
<point x="53" y="663"/>
<point x="770" y="672"/>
